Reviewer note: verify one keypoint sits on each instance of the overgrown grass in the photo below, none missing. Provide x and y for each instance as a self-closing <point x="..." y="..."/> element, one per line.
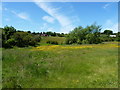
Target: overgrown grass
<point x="60" y="40"/>
<point x="60" y="68"/>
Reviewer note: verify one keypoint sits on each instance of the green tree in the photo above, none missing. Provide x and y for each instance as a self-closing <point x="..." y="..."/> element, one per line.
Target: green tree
<point x="118" y="36"/>
<point x="21" y="38"/>
<point x="8" y="32"/>
<point x="108" y="32"/>
<point x="90" y="34"/>
<point x="11" y="37"/>
<point x="75" y="36"/>
<point x="25" y="39"/>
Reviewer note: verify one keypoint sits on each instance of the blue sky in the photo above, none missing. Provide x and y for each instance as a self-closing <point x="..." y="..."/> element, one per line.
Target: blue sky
<point x="59" y="16"/>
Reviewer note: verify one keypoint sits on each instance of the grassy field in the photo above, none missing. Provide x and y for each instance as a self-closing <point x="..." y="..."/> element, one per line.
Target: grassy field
<point x="60" y="40"/>
<point x="61" y="66"/>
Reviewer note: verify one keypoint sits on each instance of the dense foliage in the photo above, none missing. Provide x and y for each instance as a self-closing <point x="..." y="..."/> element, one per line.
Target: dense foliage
<point x="108" y="32"/>
<point x="88" y="35"/>
<point x="49" y="33"/>
<point x="91" y="35"/>
<point x="11" y="37"/>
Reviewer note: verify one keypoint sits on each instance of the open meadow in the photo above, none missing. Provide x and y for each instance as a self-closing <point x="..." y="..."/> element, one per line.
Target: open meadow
<point x="61" y="66"/>
<point x="59" y="44"/>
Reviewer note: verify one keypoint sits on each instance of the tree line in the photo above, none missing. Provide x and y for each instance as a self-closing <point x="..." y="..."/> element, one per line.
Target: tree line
<point x="92" y="34"/>
<point x="11" y="37"/>
<point x="49" y="33"/>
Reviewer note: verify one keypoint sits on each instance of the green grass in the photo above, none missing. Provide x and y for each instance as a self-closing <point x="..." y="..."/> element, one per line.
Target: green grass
<point x="60" y="40"/>
<point x="70" y="68"/>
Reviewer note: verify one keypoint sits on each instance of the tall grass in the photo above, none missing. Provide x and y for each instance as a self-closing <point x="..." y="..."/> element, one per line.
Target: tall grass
<point x="69" y="68"/>
<point x="60" y="40"/>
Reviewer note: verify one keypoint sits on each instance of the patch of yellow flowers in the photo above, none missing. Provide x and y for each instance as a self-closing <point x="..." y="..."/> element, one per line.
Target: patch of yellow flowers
<point x="54" y="47"/>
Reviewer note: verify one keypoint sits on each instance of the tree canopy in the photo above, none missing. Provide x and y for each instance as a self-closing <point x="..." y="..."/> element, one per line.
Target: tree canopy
<point x="11" y="37"/>
<point x="108" y="32"/>
<point x="89" y="34"/>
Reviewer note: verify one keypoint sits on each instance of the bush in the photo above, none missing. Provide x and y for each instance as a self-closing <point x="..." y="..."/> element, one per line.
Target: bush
<point x="79" y="41"/>
<point x="105" y="38"/>
<point x="88" y="35"/>
<point x="90" y="38"/>
<point x="85" y="42"/>
<point x="52" y="42"/>
<point x="24" y="39"/>
<point x="117" y="39"/>
<point x="9" y="43"/>
<point x="11" y="37"/>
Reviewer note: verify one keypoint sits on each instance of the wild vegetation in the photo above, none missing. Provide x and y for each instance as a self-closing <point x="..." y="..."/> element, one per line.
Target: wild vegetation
<point x="88" y="35"/>
<point x="59" y="40"/>
<point x="11" y="37"/>
<point x="56" y="66"/>
<point x="83" y="58"/>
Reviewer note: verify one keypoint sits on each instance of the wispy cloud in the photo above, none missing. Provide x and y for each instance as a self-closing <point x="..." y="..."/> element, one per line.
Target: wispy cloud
<point x="64" y="21"/>
<point x="109" y="25"/>
<point x="114" y="27"/>
<point x="50" y="29"/>
<point x="48" y="19"/>
<point x="21" y="15"/>
<point x="108" y="22"/>
<point x="45" y="26"/>
<point x="106" y="5"/>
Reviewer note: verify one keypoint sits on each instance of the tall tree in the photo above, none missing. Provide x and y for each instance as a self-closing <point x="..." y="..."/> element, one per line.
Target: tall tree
<point x="89" y="34"/>
<point x="108" y="32"/>
<point x="8" y="31"/>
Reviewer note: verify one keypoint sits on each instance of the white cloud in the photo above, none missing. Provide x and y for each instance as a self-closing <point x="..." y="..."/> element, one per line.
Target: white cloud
<point x="67" y="29"/>
<point x="109" y="25"/>
<point x="64" y="21"/>
<point x="114" y="27"/>
<point x="106" y="5"/>
<point x="45" y="27"/>
<point x="48" y="19"/>
<point x="50" y="29"/>
<point x="21" y="15"/>
<point x="108" y="22"/>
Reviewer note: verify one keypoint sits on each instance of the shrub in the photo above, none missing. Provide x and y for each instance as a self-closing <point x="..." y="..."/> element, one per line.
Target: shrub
<point x="24" y="39"/>
<point x="80" y="35"/>
<point x="11" y="37"/>
<point x="85" y="42"/>
<point x="9" y="43"/>
<point x="118" y="39"/>
<point x="79" y="41"/>
<point x="8" y="32"/>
